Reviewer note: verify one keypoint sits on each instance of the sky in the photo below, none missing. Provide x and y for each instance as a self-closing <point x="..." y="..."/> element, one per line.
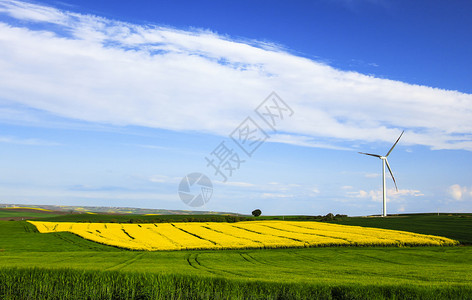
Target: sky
<point x="122" y="103"/>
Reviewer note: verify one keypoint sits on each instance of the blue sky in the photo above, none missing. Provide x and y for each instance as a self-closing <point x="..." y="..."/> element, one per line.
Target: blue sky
<point x="112" y="103"/>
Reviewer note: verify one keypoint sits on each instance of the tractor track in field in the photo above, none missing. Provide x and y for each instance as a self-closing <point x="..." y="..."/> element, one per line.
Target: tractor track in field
<point x="192" y="260"/>
<point x="189" y="259"/>
<point x="382" y="259"/>
<point x="305" y="257"/>
<point x="281" y="268"/>
<point x="126" y="263"/>
<point x="28" y="228"/>
<point x="244" y="256"/>
<point x="83" y="241"/>
<point x="249" y="258"/>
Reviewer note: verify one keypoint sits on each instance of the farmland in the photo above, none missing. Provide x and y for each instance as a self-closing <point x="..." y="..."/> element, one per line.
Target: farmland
<point x="34" y="263"/>
<point x="242" y="235"/>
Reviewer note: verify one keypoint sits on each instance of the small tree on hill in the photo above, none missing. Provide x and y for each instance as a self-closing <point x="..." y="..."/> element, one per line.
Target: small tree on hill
<point x="329" y="217"/>
<point x="256" y="212"/>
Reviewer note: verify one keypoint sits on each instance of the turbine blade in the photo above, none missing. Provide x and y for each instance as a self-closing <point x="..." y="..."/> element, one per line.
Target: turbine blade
<point x="395" y="143"/>
<point x="376" y="155"/>
<point x="391" y="173"/>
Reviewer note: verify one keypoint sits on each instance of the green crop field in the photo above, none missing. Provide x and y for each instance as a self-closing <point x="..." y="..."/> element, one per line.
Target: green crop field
<point x="65" y="266"/>
<point x="11" y="214"/>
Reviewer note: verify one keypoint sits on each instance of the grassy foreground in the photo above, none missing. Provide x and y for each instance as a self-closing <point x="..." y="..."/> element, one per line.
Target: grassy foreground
<point x="64" y="266"/>
<point x="43" y="284"/>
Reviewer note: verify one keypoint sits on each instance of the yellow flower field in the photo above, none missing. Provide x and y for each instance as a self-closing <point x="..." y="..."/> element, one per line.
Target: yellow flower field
<point x="240" y="235"/>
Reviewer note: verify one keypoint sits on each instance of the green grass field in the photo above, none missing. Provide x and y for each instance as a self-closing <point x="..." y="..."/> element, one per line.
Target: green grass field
<point x="62" y="265"/>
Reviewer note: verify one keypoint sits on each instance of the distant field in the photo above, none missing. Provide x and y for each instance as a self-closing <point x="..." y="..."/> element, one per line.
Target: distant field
<point x="66" y="264"/>
<point x="112" y="210"/>
<point x="6" y="214"/>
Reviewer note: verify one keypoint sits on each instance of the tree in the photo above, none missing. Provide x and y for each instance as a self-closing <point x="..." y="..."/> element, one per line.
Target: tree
<point x="256" y="212"/>
<point x="329" y="217"/>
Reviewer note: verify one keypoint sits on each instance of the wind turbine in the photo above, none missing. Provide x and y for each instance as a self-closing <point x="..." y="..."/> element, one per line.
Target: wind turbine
<point x="385" y="162"/>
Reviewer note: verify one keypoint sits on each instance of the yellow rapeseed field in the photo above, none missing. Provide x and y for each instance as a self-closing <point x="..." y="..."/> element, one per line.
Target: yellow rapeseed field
<point x="240" y="235"/>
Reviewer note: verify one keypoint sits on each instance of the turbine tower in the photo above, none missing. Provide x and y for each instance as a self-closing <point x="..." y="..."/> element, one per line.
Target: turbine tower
<point x="385" y="162"/>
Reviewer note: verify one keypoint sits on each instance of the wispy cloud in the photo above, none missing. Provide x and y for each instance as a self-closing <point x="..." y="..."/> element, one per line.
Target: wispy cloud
<point x="89" y="188"/>
<point x="32" y="12"/>
<point x="277" y="195"/>
<point x="163" y="179"/>
<point x="238" y="184"/>
<point x="27" y="142"/>
<point x="125" y="197"/>
<point x="155" y="147"/>
<point x="81" y="67"/>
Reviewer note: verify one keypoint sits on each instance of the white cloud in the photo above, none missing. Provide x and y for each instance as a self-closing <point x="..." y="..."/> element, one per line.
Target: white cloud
<point x="111" y="72"/>
<point x="460" y="193"/>
<point x="392" y="194"/>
